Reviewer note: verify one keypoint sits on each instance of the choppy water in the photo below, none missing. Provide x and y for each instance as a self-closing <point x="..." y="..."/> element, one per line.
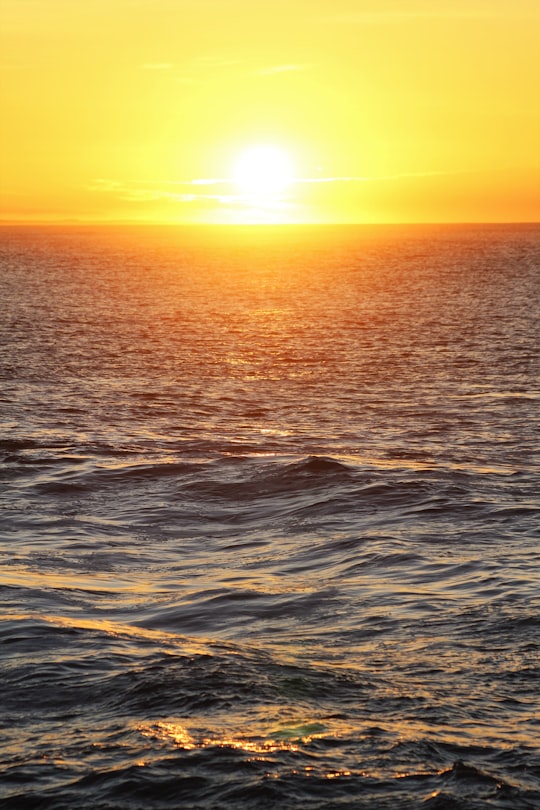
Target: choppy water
<point x="269" y="518"/>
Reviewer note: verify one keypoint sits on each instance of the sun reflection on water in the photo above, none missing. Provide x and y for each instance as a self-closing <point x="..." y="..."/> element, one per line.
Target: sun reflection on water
<point x="282" y="739"/>
<point x="181" y="738"/>
<point x="259" y="747"/>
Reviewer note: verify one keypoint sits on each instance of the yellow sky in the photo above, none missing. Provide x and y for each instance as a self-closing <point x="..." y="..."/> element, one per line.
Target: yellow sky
<point x="389" y="110"/>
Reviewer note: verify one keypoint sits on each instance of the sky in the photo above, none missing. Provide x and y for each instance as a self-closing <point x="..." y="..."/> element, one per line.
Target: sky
<point x="384" y="110"/>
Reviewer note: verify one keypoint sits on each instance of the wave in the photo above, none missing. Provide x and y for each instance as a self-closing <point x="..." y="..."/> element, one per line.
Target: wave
<point x="311" y="493"/>
<point x="134" y="714"/>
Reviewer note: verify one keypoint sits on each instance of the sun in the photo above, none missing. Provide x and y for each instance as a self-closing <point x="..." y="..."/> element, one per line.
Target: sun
<point x="263" y="171"/>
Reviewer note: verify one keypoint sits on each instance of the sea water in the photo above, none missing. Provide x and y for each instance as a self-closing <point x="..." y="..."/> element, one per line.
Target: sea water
<point x="269" y="517"/>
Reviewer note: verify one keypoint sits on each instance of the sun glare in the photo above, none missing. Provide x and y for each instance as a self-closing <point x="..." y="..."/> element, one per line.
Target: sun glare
<point x="263" y="171"/>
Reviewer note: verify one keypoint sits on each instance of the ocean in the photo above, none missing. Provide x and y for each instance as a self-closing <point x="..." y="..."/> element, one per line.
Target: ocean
<point x="269" y="513"/>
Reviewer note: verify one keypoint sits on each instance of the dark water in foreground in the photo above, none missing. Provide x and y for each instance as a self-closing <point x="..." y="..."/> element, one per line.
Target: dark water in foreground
<point x="269" y="518"/>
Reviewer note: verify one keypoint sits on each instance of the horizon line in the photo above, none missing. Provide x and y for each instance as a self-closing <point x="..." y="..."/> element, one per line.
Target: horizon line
<point x="189" y="224"/>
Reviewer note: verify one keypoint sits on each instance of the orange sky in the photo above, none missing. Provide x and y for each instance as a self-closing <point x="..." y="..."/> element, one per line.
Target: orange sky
<point x="388" y="110"/>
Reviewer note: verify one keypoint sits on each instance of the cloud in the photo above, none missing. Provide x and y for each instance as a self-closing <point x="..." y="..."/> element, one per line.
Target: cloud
<point x="208" y="181"/>
<point x="219" y="188"/>
<point x="352" y="179"/>
<point x="133" y="192"/>
<point x="185" y="190"/>
<point x="104" y="184"/>
<point x="365" y="179"/>
<point x="194" y="71"/>
<point x="214" y="62"/>
<point x="157" y="66"/>
<point x="276" y="69"/>
<point x="399" y="11"/>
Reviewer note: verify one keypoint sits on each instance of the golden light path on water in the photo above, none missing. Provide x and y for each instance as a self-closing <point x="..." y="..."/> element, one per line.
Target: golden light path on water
<point x="285" y="738"/>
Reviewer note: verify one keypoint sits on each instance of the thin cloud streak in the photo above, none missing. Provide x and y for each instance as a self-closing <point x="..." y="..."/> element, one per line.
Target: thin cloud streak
<point x="157" y="66"/>
<point x="108" y="185"/>
<point x="277" y="69"/>
<point x="403" y="11"/>
<point x="159" y="192"/>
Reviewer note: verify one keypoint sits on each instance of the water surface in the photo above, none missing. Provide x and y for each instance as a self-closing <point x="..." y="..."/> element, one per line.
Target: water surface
<point x="269" y="517"/>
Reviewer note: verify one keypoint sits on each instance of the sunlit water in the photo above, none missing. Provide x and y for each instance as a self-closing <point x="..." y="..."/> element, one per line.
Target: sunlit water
<point x="269" y="518"/>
